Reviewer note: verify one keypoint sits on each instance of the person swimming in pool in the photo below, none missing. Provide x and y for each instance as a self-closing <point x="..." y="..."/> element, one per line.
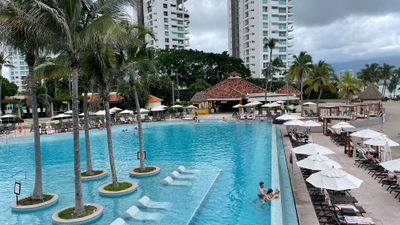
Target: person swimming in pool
<point x="264" y="197"/>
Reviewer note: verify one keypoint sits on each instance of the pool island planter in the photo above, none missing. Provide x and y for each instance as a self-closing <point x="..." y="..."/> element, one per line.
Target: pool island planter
<point x="95" y="177"/>
<point x="34" y="207"/>
<point x="144" y="174"/>
<point x="86" y="219"/>
<point x="107" y="193"/>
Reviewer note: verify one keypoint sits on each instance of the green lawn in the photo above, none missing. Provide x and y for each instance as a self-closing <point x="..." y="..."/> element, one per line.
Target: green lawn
<point x="146" y="169"/>
<point x="30" y="201"/>
<point x="121" y="186"/>
<point x="70" y="214"/>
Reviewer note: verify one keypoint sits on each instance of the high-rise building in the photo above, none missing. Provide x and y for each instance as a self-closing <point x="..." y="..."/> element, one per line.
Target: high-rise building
<point x="19" y="70"/>
<point x="250" y="22"/>
<point x="169" y="21"/>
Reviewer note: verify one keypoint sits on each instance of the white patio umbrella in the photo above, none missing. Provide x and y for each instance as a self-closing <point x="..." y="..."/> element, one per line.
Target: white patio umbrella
<point x="252" y="104"/>
<point x="61" y="116"/>
<point x="342" y="125"/>
<point x="309" y="103"/>
<point x="116" y="109"/>
<point x="294" y="123"/>
<point x="103" y="112"/>
<point x="311" y="149"/>
<point x="190" y="107"/>
<point x="237" y="106"/>
<point x="144" y="110"/>
<point x="366" y="133"/>
<point x="334" y="179"/>
<point x="90" y="114"/>
<point x="310" y="123"/>
<point x="177" y="106"/>
<point x="318" y="162"/>
<point x="381" y="141"/>
<point x="157" y="109"/>
<point x="68" y="112"/>
<point x="271" y="105"/>
<point x="8" y="116"/>
<point x="286" y="117"/>
<point x="392" y="165"/>
<point x="280" y="102"/>
<point x="126" y="112"/>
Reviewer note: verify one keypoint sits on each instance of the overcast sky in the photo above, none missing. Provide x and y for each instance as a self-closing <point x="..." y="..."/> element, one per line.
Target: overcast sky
<point x="332" y="30"/>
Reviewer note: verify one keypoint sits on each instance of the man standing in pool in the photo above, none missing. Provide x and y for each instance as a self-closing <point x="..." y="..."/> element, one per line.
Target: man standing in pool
<point x="264" y="197"/>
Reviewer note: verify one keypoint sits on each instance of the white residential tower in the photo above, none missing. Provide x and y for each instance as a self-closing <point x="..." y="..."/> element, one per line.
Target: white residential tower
<point x="19" y="70"/>
<point x="169" y="21"/>
<point x="250" y="22"/>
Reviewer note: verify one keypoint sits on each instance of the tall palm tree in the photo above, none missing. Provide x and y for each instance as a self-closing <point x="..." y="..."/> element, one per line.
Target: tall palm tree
<point x="3" y="62"/>
<point x="26" y="34"/>
<point x="386" y="72"/>
<point x="63" y="18"/>
<point x="348" y="86"/>
<point x="299" y="70"/>
<point x="394" y="81"/>
<point x="321" y="75"/>
<point x="369" y="74"/>
<point x="269" y="43"/>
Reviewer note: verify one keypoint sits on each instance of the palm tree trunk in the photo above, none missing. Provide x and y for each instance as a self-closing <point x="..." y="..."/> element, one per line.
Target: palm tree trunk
<point x="301" y="97"/>
<point x="109" y="138"/>
<point x="142" y="166"/>
<point x="1" y="84"/>
<point x="79" y="207"/>
<point x="319" y="98"/>
<point x="38" y="188"/>
<point x="89" y="168"/>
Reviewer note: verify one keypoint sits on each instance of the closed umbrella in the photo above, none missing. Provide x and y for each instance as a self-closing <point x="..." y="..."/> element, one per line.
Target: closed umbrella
<point x="387" y="153"/>
<point x="318" y="162"/>
<point x="294" y="123"/>
<point x="311" y="149"/>
<point x="334" y="179"/>
<point x="392" y="165"/>
<point x="116" y="109"/>
<point x="190" y="107"/>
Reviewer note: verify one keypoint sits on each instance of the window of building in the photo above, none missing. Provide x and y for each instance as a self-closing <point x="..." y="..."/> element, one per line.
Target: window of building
<point x="282" y="10"/>
<point x="265" y="25"/>
<point x="265" y="1"/>
<point x="265" y="9"/>
<point x="247" y="59"/>
<point x="265" y="17"/>
<point x="282" y="18"/>
<point x="180" y="28"/>
<point x="247" y="37"/>
<point x="282" y="49"/>
<point x="165" y="6"/>
<point x="282" y="34"/>
<point x="246" y="7"/>
<point x="166" y="40"/>
<point x="247" y="44"/>
<point x="265" y="33"/>
<point x="180" y="22"/>
<point x="282" y="57"/>
<point x="265" y="57"/>
<point x="165" y="20"/>
<point x="180" y="35"/>
<point x="265" y="49"/>
<point x="282" y="2"/>
<point x="166" y="33"/>
<point x="282" y="41"/>
<point x="166" y="27"/>
<point x="282" y="26"/>
<point x="246" y="14"/>
<point x="165" y="13"/>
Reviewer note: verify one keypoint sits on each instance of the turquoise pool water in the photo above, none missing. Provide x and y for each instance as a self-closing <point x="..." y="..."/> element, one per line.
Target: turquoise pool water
<point x="231" y="158"/>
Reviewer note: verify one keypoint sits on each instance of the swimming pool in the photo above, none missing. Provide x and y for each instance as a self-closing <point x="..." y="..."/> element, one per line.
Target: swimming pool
<point x="232" y="160"/>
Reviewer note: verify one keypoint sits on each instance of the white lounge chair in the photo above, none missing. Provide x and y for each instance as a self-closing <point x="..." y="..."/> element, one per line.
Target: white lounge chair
<point x="169" y="181"/>
<point x="146" y="202"/>
<point x="119" y="221"/>
<point x="182" y="169"/>
<point x="176" y="175"/>
<point x="188" y="117"/>
<point x="134" y="213"/>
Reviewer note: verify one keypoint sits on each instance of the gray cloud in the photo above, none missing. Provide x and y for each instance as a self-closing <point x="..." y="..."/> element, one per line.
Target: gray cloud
<point x="320" y="12"/>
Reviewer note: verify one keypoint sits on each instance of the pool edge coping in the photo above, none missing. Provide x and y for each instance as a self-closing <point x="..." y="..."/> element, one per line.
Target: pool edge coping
<point x="305" y="212"/>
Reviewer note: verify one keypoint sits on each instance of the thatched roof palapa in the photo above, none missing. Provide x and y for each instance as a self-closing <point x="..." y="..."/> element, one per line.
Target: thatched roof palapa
<point x="371" y="93"/>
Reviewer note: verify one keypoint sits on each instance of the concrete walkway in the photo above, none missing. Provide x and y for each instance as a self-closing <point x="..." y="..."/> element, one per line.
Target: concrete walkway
<point x="381" y="206"/>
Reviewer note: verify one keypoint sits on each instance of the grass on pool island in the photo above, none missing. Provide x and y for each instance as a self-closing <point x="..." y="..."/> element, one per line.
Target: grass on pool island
<point x="121" y="186"/>
<point x="30" y="201"/>
<point x="95" y="172"/>
<point x="70" y="214"/>
<point x="146" y="169"/>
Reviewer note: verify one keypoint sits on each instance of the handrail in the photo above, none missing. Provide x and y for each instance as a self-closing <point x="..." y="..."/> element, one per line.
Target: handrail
<point x="18" y="173"/>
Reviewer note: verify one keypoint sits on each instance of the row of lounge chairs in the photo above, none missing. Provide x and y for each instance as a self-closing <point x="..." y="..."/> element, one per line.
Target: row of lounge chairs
<point x="389" y="180"/>
<point x="258" y="114"/>
<point x="334" y="207"/>
<point x="298" y="138"/>
<point x="6" y="129"/>
<point x="311" y="113"/>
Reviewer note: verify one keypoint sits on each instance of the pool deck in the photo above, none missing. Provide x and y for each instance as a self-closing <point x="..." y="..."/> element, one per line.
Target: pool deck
<point x="378" y="203"/>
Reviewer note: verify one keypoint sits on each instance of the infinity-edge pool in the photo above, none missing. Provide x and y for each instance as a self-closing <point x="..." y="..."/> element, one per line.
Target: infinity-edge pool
<point x="242" y="152"/>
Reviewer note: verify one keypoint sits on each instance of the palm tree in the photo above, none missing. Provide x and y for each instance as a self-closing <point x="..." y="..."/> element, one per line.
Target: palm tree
<point x="269" y="43"/>
<point x="320" y="76"/>
<point x="369" y="74"/>
<point x="348" y="86"/>
<point x="299" y="70"/>
<point x="3" y="62"/>
<point x="63" y="18"/>
<point x="97" y="63"/>
<point x="394" y="81"/>
<point x="386" y="71"/>
<point x="25" y="34"/>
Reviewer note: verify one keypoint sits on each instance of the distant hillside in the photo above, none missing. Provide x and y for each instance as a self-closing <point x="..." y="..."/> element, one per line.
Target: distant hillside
<point x="357" y="65"/>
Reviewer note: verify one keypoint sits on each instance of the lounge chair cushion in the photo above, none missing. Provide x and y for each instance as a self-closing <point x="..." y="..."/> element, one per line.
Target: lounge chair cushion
<point x="167" y="180"/>
<point x="131" y="212"/>
<point x="119" y="221"/>
<point x="144" y="201"/>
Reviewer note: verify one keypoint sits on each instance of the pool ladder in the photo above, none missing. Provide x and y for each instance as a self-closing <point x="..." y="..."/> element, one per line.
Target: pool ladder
<point x="19" y="173"/>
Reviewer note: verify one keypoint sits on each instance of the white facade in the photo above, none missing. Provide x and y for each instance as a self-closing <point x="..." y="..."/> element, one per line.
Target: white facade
<point x="169" y="21"/>
<point x="19" y="71"/>
<point x="260" y="19"/>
